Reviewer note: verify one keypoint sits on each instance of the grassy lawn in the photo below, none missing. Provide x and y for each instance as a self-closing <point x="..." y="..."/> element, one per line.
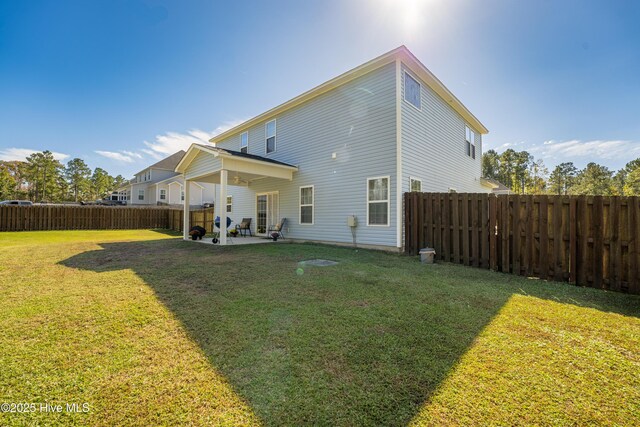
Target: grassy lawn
<point x="150" y="330"/>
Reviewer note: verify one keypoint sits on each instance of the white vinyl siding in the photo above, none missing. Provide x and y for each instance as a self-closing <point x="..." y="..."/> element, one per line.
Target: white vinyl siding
<point x="378" y="203"/>
<point x="412" y="91"/>
<point x="357" y="122"/>
<point x="306" y="205"/>
<point x="244" y="142"/>
<point x="433" y="146"/>
<point x="270" y="132"/>
<point x="415" y="184"/>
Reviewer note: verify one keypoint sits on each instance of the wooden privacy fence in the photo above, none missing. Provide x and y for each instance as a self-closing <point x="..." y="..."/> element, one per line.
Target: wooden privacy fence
<point x="53" y="217"/>
<point x="203" y="218"/>
<point x="587" y="240"/>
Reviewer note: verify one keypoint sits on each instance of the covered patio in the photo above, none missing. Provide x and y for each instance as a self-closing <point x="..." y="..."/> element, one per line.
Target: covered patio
<point x="243" y="240"/>
<point x="204" y="163"/>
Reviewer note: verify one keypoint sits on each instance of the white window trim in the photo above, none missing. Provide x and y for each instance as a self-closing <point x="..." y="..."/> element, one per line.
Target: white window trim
<point x="404" y="90"/>
<point x="275" y="137"/>
<point x="141" y="192"/>
<point x="247" y="133"/>
<point x="388" y="224"/>
<point x="313" y="205"/>
<point x="412" y="178"/>
<point x="227" y="204"/>
<point x="161" y="194"/>
<point x="472" y="135"/>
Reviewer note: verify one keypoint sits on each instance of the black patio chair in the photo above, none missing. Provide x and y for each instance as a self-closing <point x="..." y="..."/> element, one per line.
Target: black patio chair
<point x="277" y="229"/>
<point x="246" y="226"/>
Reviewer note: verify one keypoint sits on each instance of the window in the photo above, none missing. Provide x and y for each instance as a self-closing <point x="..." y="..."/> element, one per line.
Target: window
<point x="244" y="142"/>
<point x="163" y="194"/>
<point x="182" y="195"/>
<point x="306" y="205"/>
<point x="378" y="201"/>
<point x="270" y="130"/>
<point x="229" y="203"/>
<point x="412" y="91"/>
<point x="470" y="137"/>
<point x="415" y="184"/>
<point x="140" y="194"/>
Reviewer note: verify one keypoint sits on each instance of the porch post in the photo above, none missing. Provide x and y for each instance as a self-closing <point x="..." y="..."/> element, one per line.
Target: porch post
<point x="223" y="207"/>
<point x="186" y="221"/>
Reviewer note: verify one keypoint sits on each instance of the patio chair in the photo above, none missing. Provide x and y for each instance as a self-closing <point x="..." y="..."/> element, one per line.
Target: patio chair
<point x="216" y="235"/>
<point x="277" y="228"/>
<point x="246" y="226"/>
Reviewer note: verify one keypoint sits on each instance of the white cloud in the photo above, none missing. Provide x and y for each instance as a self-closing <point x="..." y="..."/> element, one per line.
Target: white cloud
<point x="12" y="154"/>
<point x="171" y="142"/>
<point x="614" y="150"/>
<point x="119" y="156"/>
<point x="167" y="144"/>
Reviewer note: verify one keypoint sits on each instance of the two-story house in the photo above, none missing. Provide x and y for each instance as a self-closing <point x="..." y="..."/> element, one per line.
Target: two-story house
<point x="159" y="184"/>
<point x="349" y="147"/>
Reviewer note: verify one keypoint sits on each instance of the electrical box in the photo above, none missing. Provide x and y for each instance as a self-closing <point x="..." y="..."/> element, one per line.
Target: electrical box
<point x="352" y="221"/>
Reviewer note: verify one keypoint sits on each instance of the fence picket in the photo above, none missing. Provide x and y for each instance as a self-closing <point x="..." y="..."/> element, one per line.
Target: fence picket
<point x="586" y="240"/>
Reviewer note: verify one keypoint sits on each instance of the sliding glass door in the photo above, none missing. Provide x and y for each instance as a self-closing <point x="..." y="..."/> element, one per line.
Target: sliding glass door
<point x="267" y="211"/>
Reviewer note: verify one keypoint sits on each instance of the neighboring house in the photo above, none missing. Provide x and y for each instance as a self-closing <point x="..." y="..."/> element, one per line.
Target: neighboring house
<point x="349" y="147"/>
<point x="160" y="184"/>
<point x="496" y="186"/>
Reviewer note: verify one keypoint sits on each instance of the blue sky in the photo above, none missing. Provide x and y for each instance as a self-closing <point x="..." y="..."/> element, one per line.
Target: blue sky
<point x="120" y="83"/>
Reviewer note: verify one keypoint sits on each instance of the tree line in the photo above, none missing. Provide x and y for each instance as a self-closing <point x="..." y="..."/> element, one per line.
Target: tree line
<point x="519" y="171"/>
<point x="41" y="178"/>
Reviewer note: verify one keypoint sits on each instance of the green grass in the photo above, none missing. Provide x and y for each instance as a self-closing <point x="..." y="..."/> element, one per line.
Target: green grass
<point x="150" y="330"/>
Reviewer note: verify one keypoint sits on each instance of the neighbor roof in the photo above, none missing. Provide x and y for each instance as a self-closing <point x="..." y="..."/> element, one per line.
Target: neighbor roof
<point x="401" y="53"/>
<point x="168" y="163"/>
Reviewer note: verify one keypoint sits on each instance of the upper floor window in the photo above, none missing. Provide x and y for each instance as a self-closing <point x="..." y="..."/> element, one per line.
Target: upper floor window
<point x="140" y="194"/>
<point x="244" y="142"/>
<point x="470" y="137"/>
<point x="163" y="194"/>
<point x="415" y="184"/>
<point x="378" y="201"/>
<point x="412" y="91"/>
<point x="270" y="130"/>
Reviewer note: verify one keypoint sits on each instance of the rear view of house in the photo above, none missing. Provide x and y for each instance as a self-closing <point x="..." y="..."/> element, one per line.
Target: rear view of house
<point x="335" y="160"/>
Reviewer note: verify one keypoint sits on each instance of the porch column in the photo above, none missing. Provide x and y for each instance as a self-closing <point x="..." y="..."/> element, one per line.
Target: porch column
<point x="186" y="222"/>
<point x="223" y="207"/>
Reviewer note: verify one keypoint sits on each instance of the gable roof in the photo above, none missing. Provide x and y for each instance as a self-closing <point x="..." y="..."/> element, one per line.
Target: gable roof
<point x="191" y="153"/>
<point x="245" y="155"/>
<point x="401" y="53"/>
<point x="168" y="163"/>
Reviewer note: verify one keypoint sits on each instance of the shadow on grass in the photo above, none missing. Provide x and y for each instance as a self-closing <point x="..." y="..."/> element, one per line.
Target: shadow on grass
<point x="364" y="342"/>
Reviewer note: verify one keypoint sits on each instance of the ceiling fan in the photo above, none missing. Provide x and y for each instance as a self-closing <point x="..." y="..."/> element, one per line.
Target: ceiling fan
<point x="238" y="181"/>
